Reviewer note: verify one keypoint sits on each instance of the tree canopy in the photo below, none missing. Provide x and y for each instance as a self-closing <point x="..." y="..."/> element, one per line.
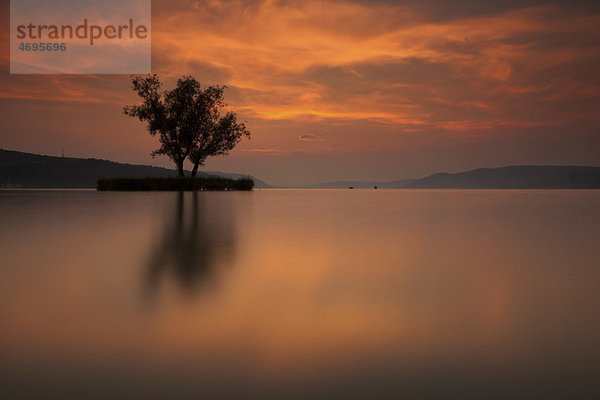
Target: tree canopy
<point x="191" y="122"/>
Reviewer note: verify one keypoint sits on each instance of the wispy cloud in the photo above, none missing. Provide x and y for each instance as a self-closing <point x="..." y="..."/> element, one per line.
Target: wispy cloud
<point x="380" y="62"/>
<point x="307" y="137"/>
<point x="261" y="150"/>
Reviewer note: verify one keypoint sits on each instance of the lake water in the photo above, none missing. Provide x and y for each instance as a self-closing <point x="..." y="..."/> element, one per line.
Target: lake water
<point x="413" y="294"/>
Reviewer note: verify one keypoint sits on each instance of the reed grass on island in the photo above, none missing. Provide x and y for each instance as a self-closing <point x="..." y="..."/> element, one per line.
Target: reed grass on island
<point x="174" y="184"/>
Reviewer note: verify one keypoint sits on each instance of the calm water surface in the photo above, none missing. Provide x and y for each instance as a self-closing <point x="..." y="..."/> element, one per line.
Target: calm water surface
<point x="415" y="294"/>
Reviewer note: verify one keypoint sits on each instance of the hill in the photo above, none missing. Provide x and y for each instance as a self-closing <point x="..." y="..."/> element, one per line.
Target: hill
<point x="26" y="170"/>
<point x="514" y="177"/>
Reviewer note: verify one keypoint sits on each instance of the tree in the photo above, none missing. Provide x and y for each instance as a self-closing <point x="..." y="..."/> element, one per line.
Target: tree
<point x="220" y="132"/>
<point x="190" y="121"/>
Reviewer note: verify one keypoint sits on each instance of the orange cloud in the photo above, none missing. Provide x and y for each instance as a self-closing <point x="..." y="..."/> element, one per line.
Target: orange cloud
<point x="261" y="150"/>
<point x="318" y="60"/>
<point x="365" y="76"/>
<point x="307" y="137"/>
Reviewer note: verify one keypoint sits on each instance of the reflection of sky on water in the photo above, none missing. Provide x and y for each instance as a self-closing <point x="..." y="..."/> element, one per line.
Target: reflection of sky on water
<point x="300" y="293"/>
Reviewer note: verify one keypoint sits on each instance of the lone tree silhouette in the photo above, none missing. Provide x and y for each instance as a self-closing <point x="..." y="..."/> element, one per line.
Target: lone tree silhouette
<point x="191" y="121"/>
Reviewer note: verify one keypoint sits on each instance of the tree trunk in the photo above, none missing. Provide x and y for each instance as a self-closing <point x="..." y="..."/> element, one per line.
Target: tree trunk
<point x="195" y="169"/>
<point x="180" y="172"/>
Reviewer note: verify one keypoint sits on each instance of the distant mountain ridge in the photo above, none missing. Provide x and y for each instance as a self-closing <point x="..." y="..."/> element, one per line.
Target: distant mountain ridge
<point x="27" y="170"/>
<point x="514" y="177"/>
<point x="511" y="177"/>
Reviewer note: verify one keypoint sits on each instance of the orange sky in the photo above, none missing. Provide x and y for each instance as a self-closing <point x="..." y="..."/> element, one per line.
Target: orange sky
<point x="377" y="90"/>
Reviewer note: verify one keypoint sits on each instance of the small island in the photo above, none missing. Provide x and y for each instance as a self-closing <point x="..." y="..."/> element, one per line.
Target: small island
<point x="192" y="123"/>
<point x="215" y="183"/>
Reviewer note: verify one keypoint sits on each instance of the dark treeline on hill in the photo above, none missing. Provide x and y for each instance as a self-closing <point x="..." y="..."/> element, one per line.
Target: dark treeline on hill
<point x="25" y="170"/>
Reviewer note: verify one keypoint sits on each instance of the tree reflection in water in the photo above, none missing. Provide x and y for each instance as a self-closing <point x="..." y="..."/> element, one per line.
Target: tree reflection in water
<point x="195" y="243"/>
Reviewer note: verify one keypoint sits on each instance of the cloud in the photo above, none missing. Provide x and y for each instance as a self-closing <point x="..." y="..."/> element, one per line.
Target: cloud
<point x="383" y="62"/>
<point x="310" y="138"/>
<point x="335" y="61"/>
<point x="261" y="150"/>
